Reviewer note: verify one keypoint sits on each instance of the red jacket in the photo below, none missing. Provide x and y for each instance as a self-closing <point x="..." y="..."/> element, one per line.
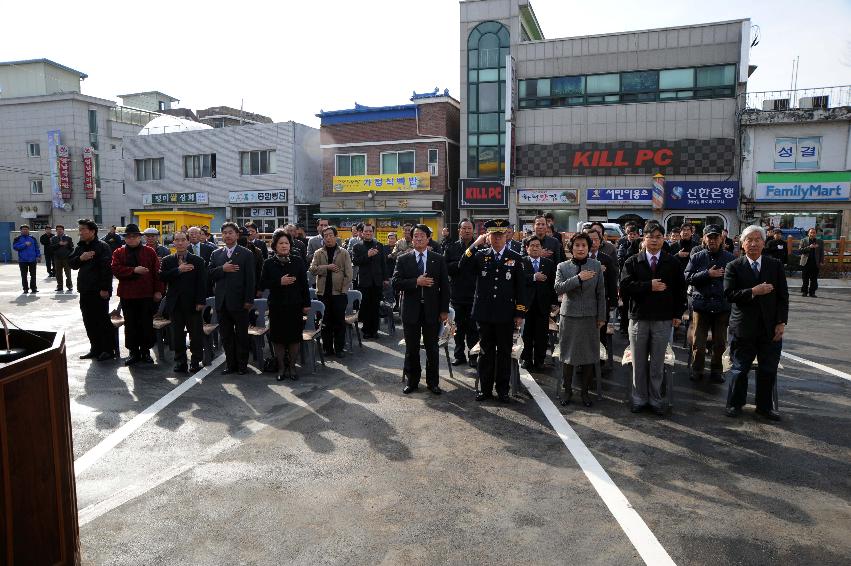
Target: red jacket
<point x="133" y="285"/>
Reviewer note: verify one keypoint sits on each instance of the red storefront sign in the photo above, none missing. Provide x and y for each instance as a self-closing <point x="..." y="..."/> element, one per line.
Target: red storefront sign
<point x="88" y="172"/>
<point x="64" y="158"/>
<point x="622" y="158"/>
<point x="476" y="193"/>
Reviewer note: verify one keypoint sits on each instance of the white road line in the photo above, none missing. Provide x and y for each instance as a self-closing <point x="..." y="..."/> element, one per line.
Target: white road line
<point x="85" y="461"/>
<point x="642" y="538"/>
<point x="824" y="368"/>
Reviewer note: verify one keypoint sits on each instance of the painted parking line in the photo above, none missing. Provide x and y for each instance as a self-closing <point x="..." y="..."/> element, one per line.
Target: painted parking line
<point x="822" y="367"/>
<point x="639" y="534"/>
<point x="85" y="461"/>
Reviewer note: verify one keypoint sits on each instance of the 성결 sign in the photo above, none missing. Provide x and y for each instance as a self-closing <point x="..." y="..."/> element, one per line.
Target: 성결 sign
<point x="803" y="187"/>
<point x="629" y="196"/>
<point x="717" y="195"/>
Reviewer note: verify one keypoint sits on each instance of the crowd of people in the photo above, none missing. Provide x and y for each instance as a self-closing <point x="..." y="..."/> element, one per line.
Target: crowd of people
<point x="496" y="285"/>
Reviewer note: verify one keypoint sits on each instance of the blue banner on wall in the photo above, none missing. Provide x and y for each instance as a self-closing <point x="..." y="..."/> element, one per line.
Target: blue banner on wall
<point x="641" y="196"/>
<point x="716" y="195"/>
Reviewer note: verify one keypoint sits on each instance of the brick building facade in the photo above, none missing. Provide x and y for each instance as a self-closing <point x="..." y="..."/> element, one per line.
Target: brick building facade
<point x="367" y="151"/>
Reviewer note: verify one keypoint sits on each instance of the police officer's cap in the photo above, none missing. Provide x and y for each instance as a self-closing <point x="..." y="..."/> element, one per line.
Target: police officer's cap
<point x="497" y="225"/>
<point x="424" y="228"/>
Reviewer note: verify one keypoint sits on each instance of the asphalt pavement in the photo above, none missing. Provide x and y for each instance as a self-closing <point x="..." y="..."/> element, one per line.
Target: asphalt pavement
<point x="341" y="468"/>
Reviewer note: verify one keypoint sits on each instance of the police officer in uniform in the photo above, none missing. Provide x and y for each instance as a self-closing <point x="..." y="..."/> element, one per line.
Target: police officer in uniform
<point x="499" y="306"/>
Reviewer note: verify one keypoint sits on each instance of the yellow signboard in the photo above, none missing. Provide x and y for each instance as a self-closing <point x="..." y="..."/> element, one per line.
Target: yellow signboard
<point x="382" y="183"/>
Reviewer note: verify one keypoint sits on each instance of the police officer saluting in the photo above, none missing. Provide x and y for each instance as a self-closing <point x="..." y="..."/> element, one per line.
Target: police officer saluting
<point x="499" y="306"/>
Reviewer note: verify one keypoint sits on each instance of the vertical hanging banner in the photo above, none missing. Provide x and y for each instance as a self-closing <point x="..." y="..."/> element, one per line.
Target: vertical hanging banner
<point x="53" y="140"/>
<point x="64" y="171"/>
<point x="658" y="191"/>
<point x="88" y="172"/>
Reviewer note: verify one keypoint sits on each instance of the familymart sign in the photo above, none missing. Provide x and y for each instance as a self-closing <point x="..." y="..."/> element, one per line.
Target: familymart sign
<point x="803" y="187"/>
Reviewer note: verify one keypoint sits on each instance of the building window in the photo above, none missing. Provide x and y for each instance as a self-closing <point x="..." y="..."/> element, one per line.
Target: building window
<point x="397" y="162"/>
<point x="93" y="128"/>
<point x="432" y="157"/>
<point x="351" y="164"/>
<point x="267" y="218"/>
<point x="797" y="153"/>
<point x="149" y="169"/>
<point x="36" y="187"/>
<point x="634" y="86"/>
<point x="162" y="105"/>
<point x="258" y="162"/>
<point x="197" y="166"/>
<point x="487" y="48"/>
<point x="33" y="149"/>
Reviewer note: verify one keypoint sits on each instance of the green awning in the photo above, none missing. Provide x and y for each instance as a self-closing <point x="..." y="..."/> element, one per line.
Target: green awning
<point x="378" y="214"/>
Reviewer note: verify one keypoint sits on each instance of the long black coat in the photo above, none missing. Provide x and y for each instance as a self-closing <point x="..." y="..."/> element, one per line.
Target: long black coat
<point x="435" y="298"/>
<point x="236" y="288"/>
<point x="646" y="304"/>
<point x="463" y="281"/>
<point x="750" y="315"/>
<point x="297" y="293"/>
<point x="185" y="290"/>
<point x="95" y="274"/>
<point x="372" y="271"/>
<point x="539" y="294"/>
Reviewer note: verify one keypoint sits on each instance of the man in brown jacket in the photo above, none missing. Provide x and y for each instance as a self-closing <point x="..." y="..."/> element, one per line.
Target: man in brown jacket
<point x="332" y="267"/>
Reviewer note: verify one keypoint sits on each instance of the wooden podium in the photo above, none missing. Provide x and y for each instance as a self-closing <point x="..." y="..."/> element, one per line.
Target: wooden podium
<point x="38" y="497"/>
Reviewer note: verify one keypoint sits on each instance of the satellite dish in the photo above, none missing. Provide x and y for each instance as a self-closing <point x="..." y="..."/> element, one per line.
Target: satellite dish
<point x="67" y="207"/>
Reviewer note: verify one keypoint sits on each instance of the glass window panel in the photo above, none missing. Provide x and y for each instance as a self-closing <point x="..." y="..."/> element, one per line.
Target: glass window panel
<point x="140" y="170"/>
<point x="544" y="103"/>
<point x="602" y="83"/>
<point x="473" y="99"/>
<point x="405" y="162"/>
<point x="343" y="166"/>
<point x="489" y="122"/>
<point x="473" y="40"/>
<point x="502" y="96"/>
<point x="472" y="162"/>
<point x="716" y="76"/>
<point x="389" y="163"/>
<point x="489" y="97"/>
<point x="543" y="87"/>
<point x="502" y="73"/>
<point x="503" y="53"/>
<point x="472" y="140"/>
<point x="685" y="94"/>
<point x="489" y="27"/>
<point x="187" y="165"/>
<point x="255" y="162"/>
<point x="432" y="156"/>
<point x="358" y="165"/>
<point x="488" y="161"/>
<point x="501" y="139"/>
<point x="642" y="81"/>
<point x="667" y="95"/>
<point x="576" y="100"/>
<point x="246" y="163"/>
<point x="526" y="103"/>
<point x="567" y="86"/>
<point x="729" y="74"/>
<point x="272" y="163"/>
<point x="149" y="164"/>
<point x="612" y="98"/>
<point x="205" y="166"/>
<point x="473" y="76"/>
<point x="472" y="123"/>
<point x="676" y="78"/>
<point x="473" y="59"/>
<point x="489" y="75"/>
<point x="156" y="172"/>
<point x="489" y="139"/>
<point x="503" y="36"/>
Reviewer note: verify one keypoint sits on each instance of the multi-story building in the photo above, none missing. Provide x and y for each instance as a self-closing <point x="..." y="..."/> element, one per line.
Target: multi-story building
<point x="796" y="160"/>
<point x="60" y="150"/>
<point x="265" y="173"/>
<point x="391" y="164"/>
<point x="583" y="126"/>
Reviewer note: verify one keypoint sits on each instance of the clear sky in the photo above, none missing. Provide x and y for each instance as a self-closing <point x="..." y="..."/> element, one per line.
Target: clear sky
<point x="289" y="60"/>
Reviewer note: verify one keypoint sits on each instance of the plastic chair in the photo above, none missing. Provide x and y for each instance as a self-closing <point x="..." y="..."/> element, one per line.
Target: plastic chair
<point x="160" y="327"/>
<point x="258" y="330"/>
<point x="447" y="332"/>
<point x="351" y="318"/>
<point x="210" y="328"/>
<point x="311" y="334"/>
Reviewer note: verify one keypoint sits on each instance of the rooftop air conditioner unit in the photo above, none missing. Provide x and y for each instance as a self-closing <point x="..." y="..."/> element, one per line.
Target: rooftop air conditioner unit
<point x="432" y="169"/>
<point x="776" y="104"/>
<point x="814" y="102"/>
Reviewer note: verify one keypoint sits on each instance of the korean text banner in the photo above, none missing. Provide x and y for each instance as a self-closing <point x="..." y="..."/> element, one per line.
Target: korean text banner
<point x="718" y="195"/>
<point x="382" y="183"/>
<point x="803" y="187"/>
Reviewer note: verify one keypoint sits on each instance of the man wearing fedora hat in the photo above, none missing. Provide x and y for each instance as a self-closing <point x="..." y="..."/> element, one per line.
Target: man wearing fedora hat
<point x="137" y="269"/>
<point x="499" y="306"/>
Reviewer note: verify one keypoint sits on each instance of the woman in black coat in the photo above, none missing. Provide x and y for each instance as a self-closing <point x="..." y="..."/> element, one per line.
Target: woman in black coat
<point x="285" y="275"/>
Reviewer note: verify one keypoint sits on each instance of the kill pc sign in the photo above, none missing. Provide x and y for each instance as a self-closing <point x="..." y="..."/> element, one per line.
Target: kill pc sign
<point x="477" y="193"/>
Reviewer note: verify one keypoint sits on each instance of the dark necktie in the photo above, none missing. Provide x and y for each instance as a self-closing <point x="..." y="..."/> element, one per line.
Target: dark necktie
<point x="535" y="265"/>
<point x="653" y="262"/>
<point x="755" y="267"/>
<point x="420" y="263"/>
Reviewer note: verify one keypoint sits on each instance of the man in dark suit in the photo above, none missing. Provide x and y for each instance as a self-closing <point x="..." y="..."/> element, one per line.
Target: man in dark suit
<point x="422" y="278"/>
<point x="370" y="258"/>
<point x="198" y="245"/>
<point x="812" y="257"/>
<point x="610" y="273"/>
<point x="499" y="306"/>
<point x="233" y="275"/>
<point x="463" y="289"/>
<point x="551" y="247"/>
<point x="253" y="237"/>
<point x="755" y="284"/>
<point x="654" y="282"/>
<point x="540" y="276"/>
<point x="513" y="245"/>
<point x="186" y="277"/>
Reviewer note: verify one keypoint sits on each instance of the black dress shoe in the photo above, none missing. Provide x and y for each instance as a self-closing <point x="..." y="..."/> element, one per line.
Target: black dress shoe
<point x="89" y="355"/>
<point x="813" y="295"/>
<point x="228" y="371"/>
<point x="564" y="401"/>
<point x="36" y="291"/>
<point x="504" y="398"/>
<point x="194" y="366"/>
<point x="242" y="371"/>
<point x="105" y="356"/>
<point x="483" y="396"/>
<point x="733" y="411"/>
<point x="803" y="294"/>
<point x="459" y="361"/>
<point x="181" y="368"/>
<point x="586" y="401"/>
<point x="409" y="389"/>
<point x="435" y="389"/>
<point x="716" y="377"/>
<point x="637" y="408"/>
<point x="770" y="414"/>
